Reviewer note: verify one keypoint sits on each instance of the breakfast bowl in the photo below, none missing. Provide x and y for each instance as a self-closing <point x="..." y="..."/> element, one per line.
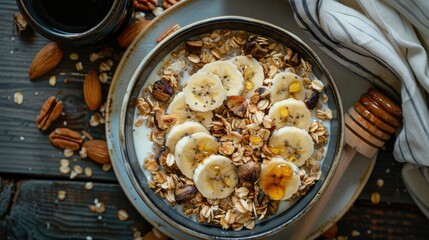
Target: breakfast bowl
<point x="244" y="124"/>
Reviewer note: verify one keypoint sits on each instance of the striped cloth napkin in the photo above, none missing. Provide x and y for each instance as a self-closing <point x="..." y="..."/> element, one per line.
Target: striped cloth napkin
<point x="386" y="42"/>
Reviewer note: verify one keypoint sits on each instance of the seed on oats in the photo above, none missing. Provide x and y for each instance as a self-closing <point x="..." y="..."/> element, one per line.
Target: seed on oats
<point x="122" y="215"/>
<point x="380" y="182"/>
<point x="68" y="153"/>
<point x="89" y="185"/>
<point x="52" y="80"/>
<point x="106" y="167"/>
<point x="64" y="162"/>
<point x="18" y="97"/>
<point x="88" y="172"/>
<point x="64" y="170"/>
<point x="375" y="198"/>
<point x="61" y="195"/>
<point x="78" y="169"/>
<point x="79" y="66"/>
<point x="317" y="85"/>
<point x="74" y="56"/>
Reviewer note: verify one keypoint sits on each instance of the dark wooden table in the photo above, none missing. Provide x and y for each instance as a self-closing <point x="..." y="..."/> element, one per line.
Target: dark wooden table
<point x="29" y="165"/>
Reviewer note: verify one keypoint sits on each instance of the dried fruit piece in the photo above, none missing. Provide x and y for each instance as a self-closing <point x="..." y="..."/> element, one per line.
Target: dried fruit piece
<point x="92" y="91"/>
<point x="46" y="59"/>
<point x="194" y="46"/>
<point x="65" y="138"/>
<point x="49" y="112"/>
<point x="249" y="171"/>
<point x="253" y="48"/>
<point x="97" y="151"/>
<point x="237" y="105"/>
<point x="292" y="58"/>
<point x="312" y="101"/>
<point x="162" y="90"/>
<point x="185" y="193"/>
<point x="130" y="33"/>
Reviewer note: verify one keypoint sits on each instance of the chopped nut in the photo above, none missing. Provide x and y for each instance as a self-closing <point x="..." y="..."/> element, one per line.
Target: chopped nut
<point x="162" y="90"/>
<point x="79" y="66"/>
<point x="375" y="198"/>
<point x="104" y="77"/>
<point x="106" y="65"/>
<point x="122" y="215"/>
<point x="18" y="97"/>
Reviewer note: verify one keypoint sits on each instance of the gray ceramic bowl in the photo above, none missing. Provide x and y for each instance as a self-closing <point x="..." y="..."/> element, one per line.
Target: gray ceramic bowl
<point x="134" y="170"/>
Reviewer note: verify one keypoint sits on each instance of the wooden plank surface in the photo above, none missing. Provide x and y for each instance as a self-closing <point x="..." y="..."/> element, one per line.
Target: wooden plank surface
<point x="23" y="148"/>
<point x="36" y="212"/>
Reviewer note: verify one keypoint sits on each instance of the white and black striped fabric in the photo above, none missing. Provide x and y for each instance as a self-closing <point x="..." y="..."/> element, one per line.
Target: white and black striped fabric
<point x="387" y="43"/>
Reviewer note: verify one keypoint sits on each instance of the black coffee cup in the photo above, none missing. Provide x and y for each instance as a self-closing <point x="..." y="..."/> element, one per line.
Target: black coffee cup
<point x="77" y="22"/>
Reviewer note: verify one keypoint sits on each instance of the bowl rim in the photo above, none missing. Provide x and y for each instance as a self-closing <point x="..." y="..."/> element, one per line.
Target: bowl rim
<point x="135" y="78"/>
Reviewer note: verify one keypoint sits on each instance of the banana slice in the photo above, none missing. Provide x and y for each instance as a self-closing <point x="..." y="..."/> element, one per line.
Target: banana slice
<point x="231" y="77"/>
<point x="192" y="149"/>
<point x="204" y="92"/>
<point x="290" y="112"/>
<point x="216" y="177"/>
<point x="292" y="143"/>
<point x="253" y="73"/>
<point x="181" y="110"/>
<point x="177" y="132"/>
<point x="279" y="179"/>
<point x="287" y="85"/>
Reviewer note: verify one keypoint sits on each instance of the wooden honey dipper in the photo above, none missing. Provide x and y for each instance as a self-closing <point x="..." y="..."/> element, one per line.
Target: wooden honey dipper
<point x="368" y="125"/>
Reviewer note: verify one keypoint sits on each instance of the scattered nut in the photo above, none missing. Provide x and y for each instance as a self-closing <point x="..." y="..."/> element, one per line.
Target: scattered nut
<point x="65" y="138"/>
<point x="92" y="91"/>
<point x="97" y="151"/>
<point x="253" y="48"/>
<point x="45" y="60"/>
<point x="50" y="111"/>
<point x="18" y="97"/>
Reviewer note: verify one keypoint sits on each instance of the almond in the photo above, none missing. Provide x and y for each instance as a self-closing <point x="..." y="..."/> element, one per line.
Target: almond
<point x="97" y="151"/>
<point x="131" y="32"/>
<point x="92" y="91"/>
<point x="46" y="59"/>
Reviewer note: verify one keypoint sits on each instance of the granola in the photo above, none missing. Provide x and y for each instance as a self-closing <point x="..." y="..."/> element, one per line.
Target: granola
<point x="245" y="135"/>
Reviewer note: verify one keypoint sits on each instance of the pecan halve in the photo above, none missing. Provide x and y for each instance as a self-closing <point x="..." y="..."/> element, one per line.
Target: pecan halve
<point x="65" y="138"/>
<point x="49" y="112"/>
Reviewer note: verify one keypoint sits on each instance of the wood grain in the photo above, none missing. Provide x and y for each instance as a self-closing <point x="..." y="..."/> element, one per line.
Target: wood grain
<point x="37" y="213"/>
